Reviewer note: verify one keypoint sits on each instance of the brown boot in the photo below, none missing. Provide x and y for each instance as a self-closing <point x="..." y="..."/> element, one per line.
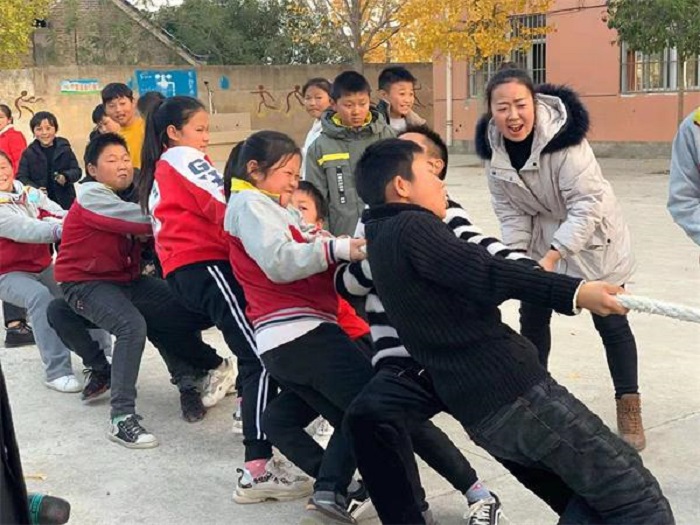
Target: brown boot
<point x="629" y="420"/>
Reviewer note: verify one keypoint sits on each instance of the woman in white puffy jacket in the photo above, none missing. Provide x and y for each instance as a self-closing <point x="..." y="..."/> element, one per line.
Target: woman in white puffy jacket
<point x="553" y="203"/>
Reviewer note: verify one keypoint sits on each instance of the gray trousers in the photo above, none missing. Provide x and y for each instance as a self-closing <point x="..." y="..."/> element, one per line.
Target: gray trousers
<point x="34" y="291"/>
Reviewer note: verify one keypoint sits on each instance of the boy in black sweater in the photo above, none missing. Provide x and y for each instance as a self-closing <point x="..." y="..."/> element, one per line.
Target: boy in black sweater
<point x="442" y="294"/>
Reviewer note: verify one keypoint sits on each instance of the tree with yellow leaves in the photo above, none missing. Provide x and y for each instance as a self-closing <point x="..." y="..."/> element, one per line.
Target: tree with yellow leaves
<point x="475" y="30"/>
<point x="17" y="19"/>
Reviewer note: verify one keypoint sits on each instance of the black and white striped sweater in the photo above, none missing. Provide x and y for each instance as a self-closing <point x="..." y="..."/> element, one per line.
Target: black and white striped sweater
<point x="355" y="280"/>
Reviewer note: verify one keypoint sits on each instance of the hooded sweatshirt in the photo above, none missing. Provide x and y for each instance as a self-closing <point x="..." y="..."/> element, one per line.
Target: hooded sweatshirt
<point x="331" y="162"/>
<point x="684" y="183"/>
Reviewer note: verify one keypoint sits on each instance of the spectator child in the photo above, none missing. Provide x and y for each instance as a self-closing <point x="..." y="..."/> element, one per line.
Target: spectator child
<point x="317" y="99"/>
<point x="346" y="131"/>
<point x="103" y="123"/>
<point x="118" y="100"/>
<point x="397" y="91"/>
<point x="49" y="162"/>
<point x="12" y="142"/>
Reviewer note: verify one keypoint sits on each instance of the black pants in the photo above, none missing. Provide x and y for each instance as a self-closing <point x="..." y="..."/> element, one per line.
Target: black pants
<point x="548" y="429"/>
<point x="12" y="313"/>
<point x="618" y="340"/>
<point x="132" y="312"/>
<point x="387" y="422"/>
<point x="179" y="331"/>
<point x="286" y="418"/>
<point x="211" y="289"/>
<point x="325" y="369"/>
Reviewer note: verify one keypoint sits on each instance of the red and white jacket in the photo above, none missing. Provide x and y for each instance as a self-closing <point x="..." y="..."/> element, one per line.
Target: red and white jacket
<point x="98" y="242"/>
<point x="286" y="274"/>
<point x="187" y="206"/>
<point x="29" y="223"/>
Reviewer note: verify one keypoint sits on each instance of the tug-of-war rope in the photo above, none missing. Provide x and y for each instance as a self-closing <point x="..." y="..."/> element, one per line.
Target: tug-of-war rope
<point x="652" y="306"/>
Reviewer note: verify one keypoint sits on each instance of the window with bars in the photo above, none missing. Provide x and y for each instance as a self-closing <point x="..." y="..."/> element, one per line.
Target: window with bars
<point x="533" y="59"/>
<point x="648" y="72"/>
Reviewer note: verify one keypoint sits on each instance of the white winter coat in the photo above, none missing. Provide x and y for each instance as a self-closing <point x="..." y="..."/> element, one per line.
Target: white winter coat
<point x="560" y="197"/>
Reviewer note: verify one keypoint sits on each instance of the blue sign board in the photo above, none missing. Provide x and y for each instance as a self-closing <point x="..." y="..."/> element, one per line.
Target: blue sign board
<point x="168" y="82"/>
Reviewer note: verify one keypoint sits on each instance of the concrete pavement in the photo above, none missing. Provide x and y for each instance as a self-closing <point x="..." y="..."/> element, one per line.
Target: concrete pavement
<point x="190" y="477"/>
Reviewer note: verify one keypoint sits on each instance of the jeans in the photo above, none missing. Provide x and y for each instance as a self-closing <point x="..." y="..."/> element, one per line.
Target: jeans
<point x="78" y="334"/>
<point x="618" y="340"/>
<point x="325" y="369"/>
<point x="34" y="291"/>
<point x="387" y="422"/>
<point x="132" y="312"/>
<point x="547" y="428"/>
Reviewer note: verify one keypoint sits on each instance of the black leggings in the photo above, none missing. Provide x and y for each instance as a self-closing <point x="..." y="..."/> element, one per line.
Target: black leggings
<point x="618" y="340"/>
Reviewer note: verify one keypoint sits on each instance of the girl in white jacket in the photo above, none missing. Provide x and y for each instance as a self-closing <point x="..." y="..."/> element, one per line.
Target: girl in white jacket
<point x="317" y="99"/>
<point x="553" y="203"/>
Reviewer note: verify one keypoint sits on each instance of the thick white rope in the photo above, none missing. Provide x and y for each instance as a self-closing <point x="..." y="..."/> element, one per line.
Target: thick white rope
<point x="652" y="306"/>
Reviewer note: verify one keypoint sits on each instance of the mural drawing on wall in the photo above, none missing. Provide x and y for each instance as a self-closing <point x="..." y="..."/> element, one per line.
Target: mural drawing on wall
<point x="24" y="104"/>
<point x="80" y="86"/>
<point x="296" y="93"/>
<point x="266" y="99"/>
<point x="168" y="82"/>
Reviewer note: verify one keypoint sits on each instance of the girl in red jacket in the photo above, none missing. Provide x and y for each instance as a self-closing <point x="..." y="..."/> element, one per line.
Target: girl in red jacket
<point x="12" y="142"/>
<point x="184" y="194"/>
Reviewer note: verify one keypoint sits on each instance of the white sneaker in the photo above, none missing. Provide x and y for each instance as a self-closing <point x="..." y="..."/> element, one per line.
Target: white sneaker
<point x="276" y="484"/>
<point x="218" y="383"/>
<point x="128" y="432"/>
<point x="66" y="384"/>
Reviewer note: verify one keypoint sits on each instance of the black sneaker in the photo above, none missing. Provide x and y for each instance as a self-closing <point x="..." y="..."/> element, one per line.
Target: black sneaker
<point x="20" y="335"/>
<point x="96" y="383"/>
<point x="485" y="512"/>
<point x="191" y="404"/>
<point x="359" y="505"/>
<point x="326" y="508"/>
<point x="128" y="432"/>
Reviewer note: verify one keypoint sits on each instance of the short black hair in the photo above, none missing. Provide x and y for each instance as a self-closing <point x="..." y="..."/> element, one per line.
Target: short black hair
<point x="148" y="102"/>
<point x="380" y="164"/>
<point x="98" y="144"/>
<point x="116" y="90"/>
<point x="40" y="116"/>
<point x="349" y="83"/>
<point x="98" y="114"/>
<point x="393" y="74"/>
<point x="439" y="148"/>
<point x="321" y="204"/>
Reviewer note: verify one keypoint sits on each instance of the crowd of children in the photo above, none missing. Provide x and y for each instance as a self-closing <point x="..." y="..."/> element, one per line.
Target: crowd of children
<point x="280" y="250"/>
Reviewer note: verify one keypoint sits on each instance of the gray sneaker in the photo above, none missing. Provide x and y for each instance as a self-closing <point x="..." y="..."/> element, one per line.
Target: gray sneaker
<point x="326" y="508"/>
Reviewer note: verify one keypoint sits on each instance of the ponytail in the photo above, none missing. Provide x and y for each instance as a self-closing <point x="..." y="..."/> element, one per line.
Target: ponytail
<point x="266" y="148"/>
<point x="174" y="111"/>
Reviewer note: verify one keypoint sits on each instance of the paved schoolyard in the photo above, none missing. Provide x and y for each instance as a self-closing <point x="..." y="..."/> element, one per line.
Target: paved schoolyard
<point x="189" y="478"/>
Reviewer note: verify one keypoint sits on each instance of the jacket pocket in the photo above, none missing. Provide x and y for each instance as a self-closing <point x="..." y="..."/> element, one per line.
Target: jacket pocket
<point x="340" y="183"/>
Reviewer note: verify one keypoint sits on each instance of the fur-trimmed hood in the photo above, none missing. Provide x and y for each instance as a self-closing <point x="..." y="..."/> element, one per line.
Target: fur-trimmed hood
<point x="562" y="120"/>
